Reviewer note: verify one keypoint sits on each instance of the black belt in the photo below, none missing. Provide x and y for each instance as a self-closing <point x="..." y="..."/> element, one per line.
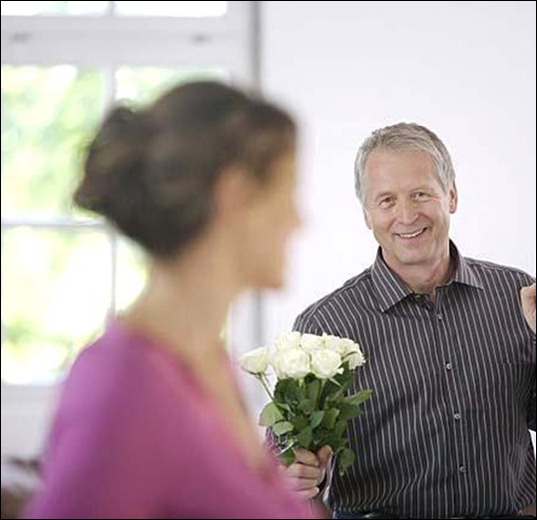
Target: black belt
<point x="380" y="515"/>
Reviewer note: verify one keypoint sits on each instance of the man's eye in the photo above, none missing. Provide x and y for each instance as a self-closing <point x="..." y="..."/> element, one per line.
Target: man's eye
<point x="420" y="195"/>
<point x="386" y="202"/>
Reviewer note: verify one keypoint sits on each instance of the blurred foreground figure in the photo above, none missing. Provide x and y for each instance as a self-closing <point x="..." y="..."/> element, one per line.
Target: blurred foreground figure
<point x="151" y="423"/>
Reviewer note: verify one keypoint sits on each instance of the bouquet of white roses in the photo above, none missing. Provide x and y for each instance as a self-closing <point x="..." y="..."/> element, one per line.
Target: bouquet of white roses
<point x="311" y="401"/>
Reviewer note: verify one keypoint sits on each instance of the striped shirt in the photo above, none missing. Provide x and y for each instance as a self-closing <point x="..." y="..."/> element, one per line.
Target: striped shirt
<point x="446" y="431"/>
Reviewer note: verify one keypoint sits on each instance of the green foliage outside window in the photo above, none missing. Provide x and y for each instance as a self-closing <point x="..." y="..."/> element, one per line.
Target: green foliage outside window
<point x="59" y="282"/>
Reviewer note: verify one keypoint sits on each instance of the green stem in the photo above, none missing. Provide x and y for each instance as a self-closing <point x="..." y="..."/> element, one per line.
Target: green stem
<point x="317" y="404"/>
<point x="261" y="378"/>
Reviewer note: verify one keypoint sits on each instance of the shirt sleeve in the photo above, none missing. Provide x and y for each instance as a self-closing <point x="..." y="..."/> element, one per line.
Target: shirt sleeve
<point x="532" y="422"/>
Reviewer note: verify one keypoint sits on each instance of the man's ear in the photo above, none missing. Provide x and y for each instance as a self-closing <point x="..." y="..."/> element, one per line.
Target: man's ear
<point x="367" y="218"/>
<point x="453" y="197"/>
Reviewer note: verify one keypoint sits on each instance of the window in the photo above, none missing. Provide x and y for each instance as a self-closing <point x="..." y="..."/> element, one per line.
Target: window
<point x="139" y="8"/>
<point x="63" y="64"/>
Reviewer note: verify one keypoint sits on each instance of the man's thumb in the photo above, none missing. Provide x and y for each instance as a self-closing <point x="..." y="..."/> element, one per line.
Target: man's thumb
<point x="324" y="455"/>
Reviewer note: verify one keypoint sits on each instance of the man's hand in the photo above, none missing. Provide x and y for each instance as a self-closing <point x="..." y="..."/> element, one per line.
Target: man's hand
<point x="309" y="470"/>
<point x="527" y="299"/>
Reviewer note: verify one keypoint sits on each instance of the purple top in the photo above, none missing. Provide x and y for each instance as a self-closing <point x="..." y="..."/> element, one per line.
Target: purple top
<point x="136" y="437"/>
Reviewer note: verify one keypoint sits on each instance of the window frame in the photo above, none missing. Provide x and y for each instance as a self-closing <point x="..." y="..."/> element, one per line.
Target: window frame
<point x="108" y="42"/>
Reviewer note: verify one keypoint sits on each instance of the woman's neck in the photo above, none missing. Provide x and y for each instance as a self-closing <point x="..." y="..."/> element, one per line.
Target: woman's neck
<point x="185" y="305"/>
<point x="186" y="301"/>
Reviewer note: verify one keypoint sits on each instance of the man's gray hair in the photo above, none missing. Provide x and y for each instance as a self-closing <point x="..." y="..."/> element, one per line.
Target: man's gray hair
<point x="399" y="137"/>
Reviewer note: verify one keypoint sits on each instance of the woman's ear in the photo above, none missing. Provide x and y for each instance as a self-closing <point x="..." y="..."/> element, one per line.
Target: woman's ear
<point x="233" y="191"/>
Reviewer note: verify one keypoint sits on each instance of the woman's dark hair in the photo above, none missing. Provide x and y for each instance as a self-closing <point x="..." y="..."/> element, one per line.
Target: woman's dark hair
<point x="151" y="171"/>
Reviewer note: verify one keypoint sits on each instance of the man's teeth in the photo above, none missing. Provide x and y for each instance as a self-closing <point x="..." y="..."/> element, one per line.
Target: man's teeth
<point x="413" y="234"/>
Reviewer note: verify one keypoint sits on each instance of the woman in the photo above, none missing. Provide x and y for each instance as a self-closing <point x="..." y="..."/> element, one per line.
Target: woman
<point x="151" y="423"/>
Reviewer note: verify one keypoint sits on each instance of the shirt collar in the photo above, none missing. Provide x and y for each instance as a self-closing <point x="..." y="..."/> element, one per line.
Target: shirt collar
<point x="390" y="289"/>
<point x="463" y="270"/>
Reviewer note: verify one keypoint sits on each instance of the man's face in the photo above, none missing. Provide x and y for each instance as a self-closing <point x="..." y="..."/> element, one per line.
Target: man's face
<point x="407" y="208"/>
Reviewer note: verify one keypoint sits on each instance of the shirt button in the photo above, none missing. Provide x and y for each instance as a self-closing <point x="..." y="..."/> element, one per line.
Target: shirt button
<point x="462" y="469"/>
<point x="439" y="316"/>
<point x="457" y="416"/>
<point x="449" y="366"/>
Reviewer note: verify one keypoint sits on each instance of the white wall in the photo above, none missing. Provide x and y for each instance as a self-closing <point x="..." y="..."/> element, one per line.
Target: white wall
<point x="464" y="69"/>
<point x="26" y="413"/>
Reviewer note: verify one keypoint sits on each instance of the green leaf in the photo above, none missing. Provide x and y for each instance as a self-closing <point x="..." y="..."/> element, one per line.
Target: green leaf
<point x="327" y="390"/>
<point x="337" y="395"/>
<point x="314" y="389"/>
<point x="300" y="422"/>
<point x="306" y="406"/>
<point x="339" y="428"/>
<point x="287" y="456"/>
<point x="330" y="417"/>
<point x="359" y="397"/>
<point x="305" y="437"/>
<point x="289" y="391"/>
<point x="270" y="415"/>
<point x="316" y="418"/>
<point x="345" y="459"/>
<point x="285" y="406"/>
<point x="282" y="427"/>
<point x="348" y="411"/>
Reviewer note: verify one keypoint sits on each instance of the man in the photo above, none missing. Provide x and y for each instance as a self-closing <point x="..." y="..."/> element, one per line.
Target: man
<point x="451" y="360"/>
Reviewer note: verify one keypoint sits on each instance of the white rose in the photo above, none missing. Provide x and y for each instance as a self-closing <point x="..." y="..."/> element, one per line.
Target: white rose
<point x="355" y="359"/>
<point x="291" y="363"/>
<point x="349" y="346"/>
<point x="325" y="363"/>
<point x="353" y="354"/>
<point x="255" y="361"/>
<point x="345" y="347"/>
<point x="336" y="344"/>
<point x="310" y="342"/>
<point x="289" y="340"/>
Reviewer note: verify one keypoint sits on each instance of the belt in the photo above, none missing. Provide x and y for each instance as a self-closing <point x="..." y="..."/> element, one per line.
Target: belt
<point x="380" y="515"/>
